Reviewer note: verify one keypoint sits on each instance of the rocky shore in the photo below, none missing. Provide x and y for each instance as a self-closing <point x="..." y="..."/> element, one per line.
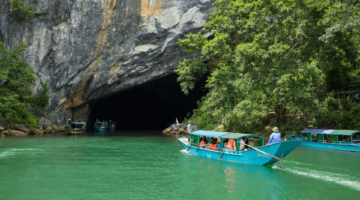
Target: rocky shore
<point x="46" y="125"/>
<point x="180" y="129"/>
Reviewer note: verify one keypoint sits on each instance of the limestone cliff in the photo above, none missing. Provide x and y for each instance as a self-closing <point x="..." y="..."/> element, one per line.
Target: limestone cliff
<point x="89" y="49"/>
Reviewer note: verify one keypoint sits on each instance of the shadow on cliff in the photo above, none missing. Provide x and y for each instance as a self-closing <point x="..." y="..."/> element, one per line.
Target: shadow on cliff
<point x="154" y="105"/>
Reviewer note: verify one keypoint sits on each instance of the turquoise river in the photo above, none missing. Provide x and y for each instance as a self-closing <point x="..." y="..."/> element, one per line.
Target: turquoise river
<point x="147" y="165"/>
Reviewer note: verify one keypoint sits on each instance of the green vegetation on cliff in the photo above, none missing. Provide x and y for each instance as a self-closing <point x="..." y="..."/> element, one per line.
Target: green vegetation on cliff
<point x="41" y="99"/>
<point x="19" y="10"/>
<point x="16" y="79"/>
<point x="272" y="54"/>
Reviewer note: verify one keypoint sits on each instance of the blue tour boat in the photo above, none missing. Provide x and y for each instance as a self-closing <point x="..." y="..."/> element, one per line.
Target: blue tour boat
<point x="100" y="127"/>
<point x="242" y="152"/>
<point x="111" y="126"/>
<point x="75" y="128"/>
<point x="346" y="140"/>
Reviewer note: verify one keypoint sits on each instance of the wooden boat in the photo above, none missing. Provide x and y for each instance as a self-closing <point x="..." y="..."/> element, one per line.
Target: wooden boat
<point x="100" y="127"/>
<point x="75" y="128"/>
<point x="111" y="126"/>
<point x="244" y="153"/>
<point x="345" y="140"/>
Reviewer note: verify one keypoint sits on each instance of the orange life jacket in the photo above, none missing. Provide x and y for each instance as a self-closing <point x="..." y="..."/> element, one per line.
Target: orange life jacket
<point x="230" y="144"/>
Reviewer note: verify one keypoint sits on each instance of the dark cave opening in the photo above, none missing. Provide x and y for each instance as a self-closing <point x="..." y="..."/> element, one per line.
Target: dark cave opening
<point x="154" y="105"/>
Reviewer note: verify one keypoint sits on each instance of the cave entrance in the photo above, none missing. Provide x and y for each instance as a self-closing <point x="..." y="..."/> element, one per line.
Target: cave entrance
<point x="153" y="105"/>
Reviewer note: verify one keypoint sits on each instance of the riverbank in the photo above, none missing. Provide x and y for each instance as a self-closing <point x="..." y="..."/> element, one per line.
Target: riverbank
<point x="49" y="124"/>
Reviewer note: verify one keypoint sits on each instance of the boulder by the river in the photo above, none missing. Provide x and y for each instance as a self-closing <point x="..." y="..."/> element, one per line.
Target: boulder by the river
<point x="14" y="133"/>
<point x="1" y="128"/>
<point x="2" y="135"/>
<point x="37" y="132"/>
<point x="180" y="129"/>
<point x="22" y="127"/>
<point x="44" y="124"/>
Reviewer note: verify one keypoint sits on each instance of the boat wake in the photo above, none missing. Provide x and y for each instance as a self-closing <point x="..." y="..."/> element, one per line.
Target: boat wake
<point x="13" y="152"/>
<point x="341" y="179"/>
<point x="184" y="151"/>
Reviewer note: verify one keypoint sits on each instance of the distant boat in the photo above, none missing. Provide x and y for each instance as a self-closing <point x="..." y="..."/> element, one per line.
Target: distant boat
<point x="242" y="152"/>
<point x="111" y="126"/>
<point x="75" y="128"/>
<point x="345" y="140"/>
<point x="100" y="127"/>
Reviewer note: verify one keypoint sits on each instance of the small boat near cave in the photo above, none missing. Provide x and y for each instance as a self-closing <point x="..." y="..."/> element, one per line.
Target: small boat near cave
<point x="243" y="152"/>
<point x="100" y="127"/>
<point x="111" y="126"/>
<point x="75" y="128"/>
<point x="345" y="140"/>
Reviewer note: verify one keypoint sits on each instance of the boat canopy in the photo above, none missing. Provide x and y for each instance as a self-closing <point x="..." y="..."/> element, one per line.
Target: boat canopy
<point x="239" y="135"/>
<point x="330" y="131"/>
<point x="209" y="133"/>
<point x="222" y="134"/>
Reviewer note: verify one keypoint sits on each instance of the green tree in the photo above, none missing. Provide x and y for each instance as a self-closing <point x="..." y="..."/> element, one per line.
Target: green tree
<point x="268" y="53"/>
<point x="18" y="8"/>
<point x="17" y="78"/>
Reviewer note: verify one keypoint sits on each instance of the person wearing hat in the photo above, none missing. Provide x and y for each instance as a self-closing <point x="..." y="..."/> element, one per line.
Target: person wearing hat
<point x="275" y="137"/>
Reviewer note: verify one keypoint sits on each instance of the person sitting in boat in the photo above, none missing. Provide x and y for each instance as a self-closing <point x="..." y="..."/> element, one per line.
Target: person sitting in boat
<point x="215" y="146"/>
<point x="210" y="144"/>
<point x="275" y="137"/>
<point x="97" y="120"/>
<point x="106" y="123"/>
<point x="202" y="143"/>
<point x="231" y="144"/>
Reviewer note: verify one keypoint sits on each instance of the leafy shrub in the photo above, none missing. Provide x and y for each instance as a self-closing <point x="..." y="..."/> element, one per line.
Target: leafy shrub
<point x="344" y="105"/>
<point x="18" y="8"/>
<point x="331" y="104"/>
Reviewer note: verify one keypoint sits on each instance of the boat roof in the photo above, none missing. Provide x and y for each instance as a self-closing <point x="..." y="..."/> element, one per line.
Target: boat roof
<point x="330" y="131"/>
<point x="222" y="134"/>
<point x="239" y="135"/>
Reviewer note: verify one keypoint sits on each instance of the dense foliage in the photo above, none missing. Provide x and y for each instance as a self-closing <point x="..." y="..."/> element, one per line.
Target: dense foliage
<point x="271" y="53"/>
<point x="19" y="10"/>
<point x="16" y="77"/>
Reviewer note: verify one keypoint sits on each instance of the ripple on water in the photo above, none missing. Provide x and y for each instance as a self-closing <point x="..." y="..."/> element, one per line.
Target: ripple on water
<point x="13" y="152"/>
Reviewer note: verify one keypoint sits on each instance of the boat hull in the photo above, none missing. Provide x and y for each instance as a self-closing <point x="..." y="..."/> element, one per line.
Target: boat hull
<point x="252" y="156"/>
<point x="342" y="146"/>
<point x="111" y="127"/>
<point x="99" y="129"/>
<point x="71" y="131"/>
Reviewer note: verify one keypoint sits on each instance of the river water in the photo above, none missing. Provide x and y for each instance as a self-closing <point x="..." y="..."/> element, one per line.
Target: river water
<point x="147" y="165"/>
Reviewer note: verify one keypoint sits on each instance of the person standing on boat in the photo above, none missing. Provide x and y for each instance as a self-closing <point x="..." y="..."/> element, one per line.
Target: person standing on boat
<point x="275" y="137"/>
<point x="189" y="127"/>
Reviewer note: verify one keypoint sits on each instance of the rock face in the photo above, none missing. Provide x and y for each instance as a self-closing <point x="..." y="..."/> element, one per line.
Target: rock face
<point x="22" y="127"/>
<point x="37" y="132"/>
<point x="14" y="133"/>
<point x="180" y="129"/>
<point x="53" y="123"/>
<point x="90" y="49"/>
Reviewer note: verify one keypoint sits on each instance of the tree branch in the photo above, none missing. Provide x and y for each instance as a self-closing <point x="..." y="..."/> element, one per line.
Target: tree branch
<point x="292" y="48"/>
